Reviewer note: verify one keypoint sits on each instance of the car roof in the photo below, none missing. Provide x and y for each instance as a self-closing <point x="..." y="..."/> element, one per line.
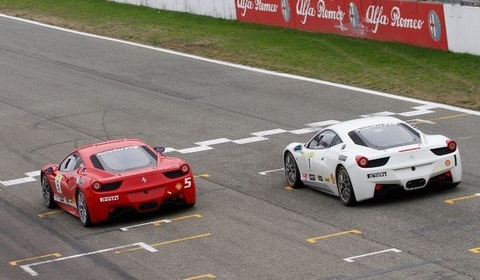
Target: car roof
<point x="109" y="145"/>
<point x="350" y="125"/>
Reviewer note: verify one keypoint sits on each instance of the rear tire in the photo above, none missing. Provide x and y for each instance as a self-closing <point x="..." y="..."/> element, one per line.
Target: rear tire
<point x="83" y="210"/>
<point x="292" y="174"/>
<point x="47" y="193"/>
<point x="345" y="188"/>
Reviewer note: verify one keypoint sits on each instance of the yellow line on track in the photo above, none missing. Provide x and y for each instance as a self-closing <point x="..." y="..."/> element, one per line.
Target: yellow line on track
<point x="475" y="250"/>
<point x="166" y="242"/>
<point x="158" y="223"/>
<point x="43" y="215"/>
<point x="208" y="276"/>
<point x="315" y="239"/>
<point x="57" y="255"/>
<point x="449" y="117"/>
<point x="453" y="200"/>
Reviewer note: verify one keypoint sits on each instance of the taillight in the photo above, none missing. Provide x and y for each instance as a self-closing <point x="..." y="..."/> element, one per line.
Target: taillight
<point x="96" y="186"/>
<point x="451" y="145"/>
<point x="361" y="161"/>
<point x="185" y="168"/>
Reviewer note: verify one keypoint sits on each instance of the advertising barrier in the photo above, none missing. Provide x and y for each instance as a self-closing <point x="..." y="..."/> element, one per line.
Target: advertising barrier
<point x="415" y="23"/>
<point x="441" y="26"/>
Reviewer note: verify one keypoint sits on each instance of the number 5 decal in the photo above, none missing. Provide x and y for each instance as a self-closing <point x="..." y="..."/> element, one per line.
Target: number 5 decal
<point x="188" y="183"/>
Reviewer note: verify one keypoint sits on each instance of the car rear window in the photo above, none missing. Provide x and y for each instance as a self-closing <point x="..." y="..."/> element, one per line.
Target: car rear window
<point x="385" y="136"/>
<point x="124" y="159"/>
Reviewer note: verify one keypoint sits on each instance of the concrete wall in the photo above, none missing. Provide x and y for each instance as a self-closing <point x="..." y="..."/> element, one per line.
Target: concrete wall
<point x="215" y="8"/>
<point x="462" y="24"/>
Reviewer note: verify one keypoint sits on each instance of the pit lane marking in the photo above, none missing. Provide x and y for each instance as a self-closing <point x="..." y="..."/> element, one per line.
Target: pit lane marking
<point x="159" y="222"/>
<point x="453" y="200"/>
<point x="351" y="259"/>
<point x="208" y="276"/>
<point x="315" y="239"/>
<point x="14" y="263"/>
<point x="166" y="242"/>
<point x="28" y="267"/>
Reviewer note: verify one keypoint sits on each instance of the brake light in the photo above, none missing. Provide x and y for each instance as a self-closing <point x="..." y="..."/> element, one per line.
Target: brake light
<point x="451" y="145"/>
<point x="96" y="186"/>
<point x="361" y="161"/>
<point x="185" y="168"/>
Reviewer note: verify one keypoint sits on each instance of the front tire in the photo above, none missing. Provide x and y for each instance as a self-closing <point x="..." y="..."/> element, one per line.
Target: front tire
<point x="292" y="174"/>
<point x="83" y="210"/>
<point x="47" y="193"/>
<point x="345" y="188"/>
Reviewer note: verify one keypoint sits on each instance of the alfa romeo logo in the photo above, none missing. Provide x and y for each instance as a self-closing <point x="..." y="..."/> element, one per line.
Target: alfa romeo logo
<point x="285" y="10"/>
<point x="353" y="15"/>
<point x="434" y="26"/>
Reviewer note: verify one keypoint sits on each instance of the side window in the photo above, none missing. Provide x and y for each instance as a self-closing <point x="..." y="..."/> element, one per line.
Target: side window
<point x="324" y="139"/>
<point x="71" y="163"/>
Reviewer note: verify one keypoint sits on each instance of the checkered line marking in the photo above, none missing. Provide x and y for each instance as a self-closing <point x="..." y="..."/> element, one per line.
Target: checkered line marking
<point x="255" y="137"/>
<point x="30" y="178"/>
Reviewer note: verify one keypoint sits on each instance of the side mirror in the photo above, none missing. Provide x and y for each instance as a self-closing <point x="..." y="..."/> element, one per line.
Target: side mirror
<point x="49" y="170"/>
<point x="159" y="149"/>
<point x="298" y="148"/>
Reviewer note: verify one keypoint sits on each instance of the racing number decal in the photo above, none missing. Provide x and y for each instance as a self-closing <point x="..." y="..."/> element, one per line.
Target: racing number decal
<point x="58" y="183"/>
<point x="187" y="183"/>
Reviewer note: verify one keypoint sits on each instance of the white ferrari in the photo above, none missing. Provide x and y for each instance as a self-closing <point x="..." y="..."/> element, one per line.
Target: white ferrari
<point x="362" y="158"/>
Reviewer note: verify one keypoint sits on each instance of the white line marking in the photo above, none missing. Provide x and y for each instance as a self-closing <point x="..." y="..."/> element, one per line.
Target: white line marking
<point x="322" y="124"/>
<point x="304" y="130"/>
<point x="33" y="173"/>
<point x="270" y="171"/>
<point x="379" y="114"/>
<point x="18" y="181"/>
<point x="416" y="113"/>
<point x="168" y="150"/>
<point x="145" y="224"/>
<point x="269" y="132"/>
<point x="194" y="149"/>
<point x="249" y="140"/>
<point x="29" y="270"/>
<point x="370" y="254"/>
<point x="420" y="121"/>
<point x="214" y="142"/>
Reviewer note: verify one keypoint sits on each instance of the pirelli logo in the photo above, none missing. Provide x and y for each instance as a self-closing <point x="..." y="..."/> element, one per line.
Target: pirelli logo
<point x="109" y="198"/>
<point x="377" y="175"/>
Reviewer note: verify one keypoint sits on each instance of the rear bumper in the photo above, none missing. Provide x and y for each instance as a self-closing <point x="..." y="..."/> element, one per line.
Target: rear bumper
<point x="367" y="182"/>
<point x="102" y="204"/>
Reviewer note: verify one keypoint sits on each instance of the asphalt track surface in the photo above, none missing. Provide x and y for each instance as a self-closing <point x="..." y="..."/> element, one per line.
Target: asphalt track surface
<point x="60" y="90"/>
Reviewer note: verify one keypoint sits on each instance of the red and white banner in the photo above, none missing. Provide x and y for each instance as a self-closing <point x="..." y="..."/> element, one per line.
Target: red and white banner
<point x="414" y="23"/>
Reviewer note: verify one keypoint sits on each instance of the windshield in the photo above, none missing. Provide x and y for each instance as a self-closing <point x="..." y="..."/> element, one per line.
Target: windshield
<point x="124" y="159"/>
<point x="385" y="136"/>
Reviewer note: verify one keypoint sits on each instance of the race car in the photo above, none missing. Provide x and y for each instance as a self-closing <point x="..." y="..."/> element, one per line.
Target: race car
<point x="95" y="181"/>
<point x="363" y="158"/>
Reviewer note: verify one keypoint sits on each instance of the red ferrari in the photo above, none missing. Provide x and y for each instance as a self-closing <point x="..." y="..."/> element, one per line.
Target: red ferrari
<point x="97" y="180"/>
